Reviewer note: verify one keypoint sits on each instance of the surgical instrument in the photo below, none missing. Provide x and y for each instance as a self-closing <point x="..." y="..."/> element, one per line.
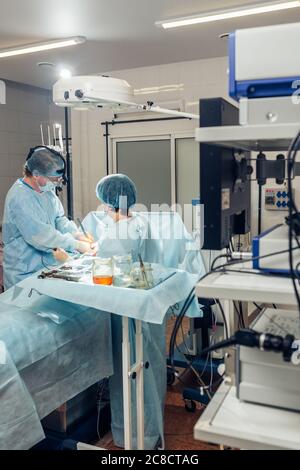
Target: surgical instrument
<point x="82" y="227"/>
<point x="143" y="270"/>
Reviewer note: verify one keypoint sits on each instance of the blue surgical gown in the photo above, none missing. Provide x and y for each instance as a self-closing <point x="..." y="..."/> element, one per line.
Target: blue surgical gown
<point x="127" y="236"/>
<point x="124" y="237"/>
<point x="159" y="238"/>
<point x="33" y="224"/>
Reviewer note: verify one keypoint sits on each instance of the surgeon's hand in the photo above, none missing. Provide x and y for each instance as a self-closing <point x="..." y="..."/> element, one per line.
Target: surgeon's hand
<point x="88" y="248"/>
<point x="81" y="237"/>
<point x="61" y="255"/>
<point x="94" y="248"/>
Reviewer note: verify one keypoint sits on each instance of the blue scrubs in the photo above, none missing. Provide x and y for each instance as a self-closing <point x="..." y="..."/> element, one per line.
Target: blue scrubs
<point x="159" y="238"/>
<point x="33" y="224"/>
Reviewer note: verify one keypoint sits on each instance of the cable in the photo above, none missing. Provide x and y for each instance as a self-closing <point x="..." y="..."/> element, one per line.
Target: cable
<point x="49" y="266"/>
<point x="211" y="370"/>
<point x="178" y="321"/>
<point x="226" y="343"/>
<point x="204" y="387"/>
<point x="209" y="262"/>
<point x="240" y="317"/>
<point x="242" y="271"/>
<point x="100" y="390"/>
<point x="224" y="318"/>
<point x="257" y="306"/>
<point x="292" y="207"/>
<point x="262" y="341"/>
<point x="187" y="350"/>
<point x="255" y="258"/>
<point x="211" y="342"/>
<point x="183" y="339"/>
<point x="201" y="382"/>
<point x="297" y="272"/>
<point x="222" y="267"/>
<point x="217" y="258"/>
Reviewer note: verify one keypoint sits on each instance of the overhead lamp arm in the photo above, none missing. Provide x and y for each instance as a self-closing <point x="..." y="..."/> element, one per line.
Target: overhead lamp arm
<point x="149" y="106"/>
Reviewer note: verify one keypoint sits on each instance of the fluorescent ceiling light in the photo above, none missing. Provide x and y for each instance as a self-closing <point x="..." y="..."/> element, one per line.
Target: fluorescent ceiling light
<point x="228" y="14"/>
<point x="41" y="46"/>
<point x="158" y="89"/>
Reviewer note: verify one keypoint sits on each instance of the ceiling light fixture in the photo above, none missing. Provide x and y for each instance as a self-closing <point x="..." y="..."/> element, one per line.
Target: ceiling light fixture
<point x="45" y="65"/>
<point x="41" y="46"/>
<point x="228" y="14"/>
<point x="158" y="89"/>
<point x="65" y="73"/>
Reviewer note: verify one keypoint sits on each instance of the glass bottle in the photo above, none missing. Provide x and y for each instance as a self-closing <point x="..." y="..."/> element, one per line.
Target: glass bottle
<point x="140" y="279"/>
<point x="122" y="270"/>
<point x="102" y="271"/>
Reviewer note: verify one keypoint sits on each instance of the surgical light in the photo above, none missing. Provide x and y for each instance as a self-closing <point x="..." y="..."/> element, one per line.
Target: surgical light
<point x="228" y="14"/>
<point x="41" y="46"/>
<point x="93" y="91"/>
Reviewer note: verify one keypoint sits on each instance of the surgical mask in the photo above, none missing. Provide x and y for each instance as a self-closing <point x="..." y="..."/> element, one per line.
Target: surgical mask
<point x="49" y="186"/>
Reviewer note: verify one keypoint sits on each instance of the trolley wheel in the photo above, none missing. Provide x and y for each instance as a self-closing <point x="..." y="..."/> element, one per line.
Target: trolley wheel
<point x="190" y="406"/>
<point x="170" y="376"/>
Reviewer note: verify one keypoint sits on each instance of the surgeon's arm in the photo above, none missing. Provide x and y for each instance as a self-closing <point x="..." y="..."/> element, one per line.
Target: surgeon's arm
<point x="62" y="223"/>
<point x="41" y="236"/>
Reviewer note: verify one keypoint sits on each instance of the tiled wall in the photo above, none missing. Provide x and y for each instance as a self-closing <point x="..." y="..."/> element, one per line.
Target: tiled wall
<point x="26" y="107"/>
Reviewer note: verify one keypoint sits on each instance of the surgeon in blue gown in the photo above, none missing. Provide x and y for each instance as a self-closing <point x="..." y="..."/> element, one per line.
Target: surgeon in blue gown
<point x="122" y="232"/>
<point x="34" y="223"/>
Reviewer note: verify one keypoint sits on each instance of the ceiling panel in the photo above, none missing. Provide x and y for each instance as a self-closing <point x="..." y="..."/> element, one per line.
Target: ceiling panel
<point x="120" y="34"/>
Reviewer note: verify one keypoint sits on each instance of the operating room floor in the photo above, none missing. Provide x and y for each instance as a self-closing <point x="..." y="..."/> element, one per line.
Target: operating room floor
<point x="179" y="423"/>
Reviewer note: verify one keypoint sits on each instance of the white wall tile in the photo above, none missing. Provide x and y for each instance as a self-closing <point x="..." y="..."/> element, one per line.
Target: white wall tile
<point x="20" y="122"/>
<point x="3" y="143"/>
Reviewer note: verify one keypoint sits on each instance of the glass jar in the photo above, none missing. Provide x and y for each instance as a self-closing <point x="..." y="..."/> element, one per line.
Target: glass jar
<point x="102" y="271"/>
<point x="122" y="270"/>
<point x="140" y="279"/>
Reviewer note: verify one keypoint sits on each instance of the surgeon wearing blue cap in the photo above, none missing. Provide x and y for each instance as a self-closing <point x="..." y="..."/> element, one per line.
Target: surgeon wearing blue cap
<point x="118" y="193"/>
<point x="125" y="232"/>
<point x="34" y="223"/>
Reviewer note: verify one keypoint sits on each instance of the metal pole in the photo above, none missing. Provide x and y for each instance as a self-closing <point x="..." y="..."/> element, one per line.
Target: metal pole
<point x="126" y="384"/>
<point x="140" y="386"/>
<point x="106" y="135"/>
<point x="259" y="208"/>
<point x="131" y="121"/>
<point x="69" y="168"/>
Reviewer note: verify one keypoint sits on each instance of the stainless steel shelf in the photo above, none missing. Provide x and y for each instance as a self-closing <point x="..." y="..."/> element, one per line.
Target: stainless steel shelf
<point x="271" y="137"/>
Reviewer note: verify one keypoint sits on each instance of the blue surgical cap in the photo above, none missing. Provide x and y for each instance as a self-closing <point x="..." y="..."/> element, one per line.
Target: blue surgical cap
<point x="44" y="161"/>
<point x="117" y="191"/>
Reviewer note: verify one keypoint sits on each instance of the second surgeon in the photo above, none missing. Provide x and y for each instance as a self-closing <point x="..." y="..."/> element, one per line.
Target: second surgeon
<point x="34" y="223"/>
